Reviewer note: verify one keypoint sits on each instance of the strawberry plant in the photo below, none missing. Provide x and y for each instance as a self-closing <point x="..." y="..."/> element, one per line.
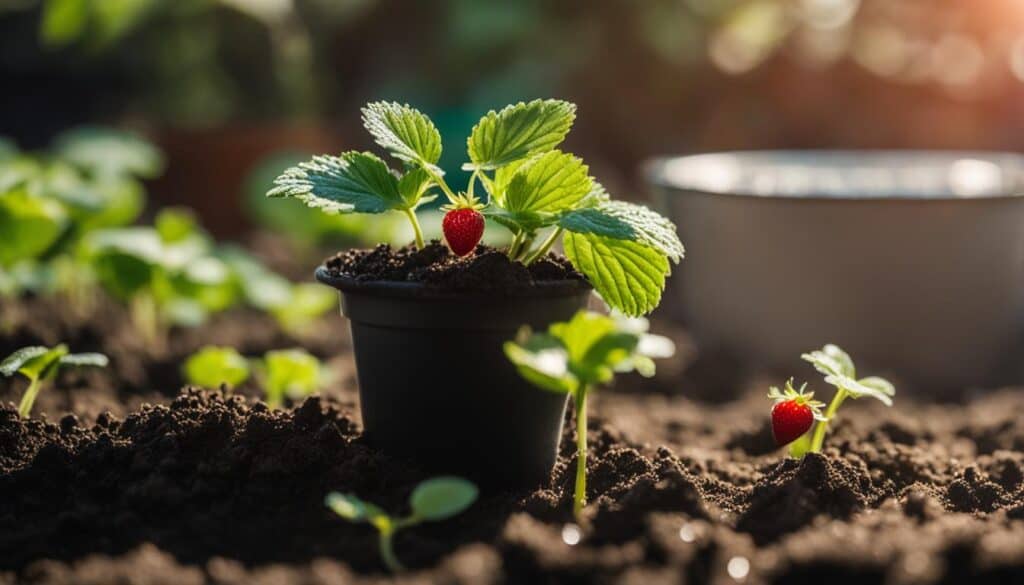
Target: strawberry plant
<point x="432" y="500"/>
<point x="40" y="364"/>
<point x="576" y="356"/>
<point x="518" y="179"/>
<point x="795" y="410"/>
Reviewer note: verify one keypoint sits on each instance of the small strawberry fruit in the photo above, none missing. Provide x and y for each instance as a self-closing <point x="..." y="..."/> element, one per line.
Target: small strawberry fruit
<point x="794" y="413"/>
<point x="463" y="227"/>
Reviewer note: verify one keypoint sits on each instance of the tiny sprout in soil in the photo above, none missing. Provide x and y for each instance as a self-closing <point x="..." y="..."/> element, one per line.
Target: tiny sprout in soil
<point x="795" y="411"/>
<point x="575" y="356"/>
<point x="518" y="179"/>
<point x="285" y="373"/>
<point x="40" y="364"/>
<point x="433" y="500"/>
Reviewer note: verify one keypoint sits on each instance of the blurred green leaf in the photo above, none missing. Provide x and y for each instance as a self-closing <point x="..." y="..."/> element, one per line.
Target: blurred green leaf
<point x="441" y="498"/>
<point x="212" y="366"/>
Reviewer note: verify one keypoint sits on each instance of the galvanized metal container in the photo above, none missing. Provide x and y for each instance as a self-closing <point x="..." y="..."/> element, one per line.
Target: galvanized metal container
<point x="913" y="261"/>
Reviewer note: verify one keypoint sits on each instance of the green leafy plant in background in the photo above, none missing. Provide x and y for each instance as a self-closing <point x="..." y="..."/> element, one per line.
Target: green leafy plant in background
<point x="291" y="373"/>
<point x="88" y="180"/>
<point x="433" y="500"/>
<point x="212" y="366"/>
<point x="40" y="364"/>
<point x="839" y="371"/>
<point x="286" y="373"/>
<point x="576" y="356"/>
<point x="530" y="187"/>
<point x="168" y="273"/>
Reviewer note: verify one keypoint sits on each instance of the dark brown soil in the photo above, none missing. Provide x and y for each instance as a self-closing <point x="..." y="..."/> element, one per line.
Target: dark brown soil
<point x="685" y="481"/>
<point x="487" y="269"/>
<point x="139" y="374"/>
<point x="215" y="490"/>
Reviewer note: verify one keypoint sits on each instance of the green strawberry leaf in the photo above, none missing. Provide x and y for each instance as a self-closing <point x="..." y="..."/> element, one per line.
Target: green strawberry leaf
<point x="405" y="132"/>
<point x="30" y="226"/>
<point x="551" y="182"/>
<point x="212" y="366"/>
<point x="626" y="221"/>
<point x="355" y="182"/>
<point x="85" y="359"/>
<point x="107" y="152"/>
<point x="543" y="360"/>
<point x="527" y="221"/>
<point x="21" y="358"/>
<point x="413" y="185"/>
<point x="518" y="131"/>
<point x="629" y="276"/>
<point x="441" y="498"/>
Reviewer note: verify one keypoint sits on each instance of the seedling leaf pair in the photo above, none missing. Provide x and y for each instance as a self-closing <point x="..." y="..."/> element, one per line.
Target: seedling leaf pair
<point x="39" y="364"/>
<point x="839" y="371"/>
<point x="433" y="500"/>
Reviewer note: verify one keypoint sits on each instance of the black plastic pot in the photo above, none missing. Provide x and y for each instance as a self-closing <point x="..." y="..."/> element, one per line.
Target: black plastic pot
<point x="435" y="385"/>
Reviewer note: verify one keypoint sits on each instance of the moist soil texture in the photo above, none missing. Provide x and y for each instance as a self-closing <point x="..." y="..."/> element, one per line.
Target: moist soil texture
<point x="121" y="476"/>
<point x="488" y="269"/>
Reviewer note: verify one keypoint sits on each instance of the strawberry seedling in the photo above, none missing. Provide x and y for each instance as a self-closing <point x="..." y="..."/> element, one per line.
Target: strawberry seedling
<point x="433" y="500"/>
<point x="541" y="194"/>
<point x="795" y="410"/>
<point x="40" y="364"/>
<point x="576" y="356"/>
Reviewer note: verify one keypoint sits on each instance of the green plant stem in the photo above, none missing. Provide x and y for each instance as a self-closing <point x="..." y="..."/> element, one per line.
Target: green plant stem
<point x="544" y="247"/>
<point x="819" y="431"/>
<point x="415" y="227"/>
<point x="441" y="183"/>
<point x="146" y="317"/>
<point x="387" y="550"/>
<point x="580" y="494"/>
<point x="29" y="398"/>
<point x="517" y="242"/>
<point x="525" y="247"/>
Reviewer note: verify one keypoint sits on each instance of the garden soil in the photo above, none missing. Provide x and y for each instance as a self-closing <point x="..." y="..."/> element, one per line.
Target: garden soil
<point x="121" y="476"/>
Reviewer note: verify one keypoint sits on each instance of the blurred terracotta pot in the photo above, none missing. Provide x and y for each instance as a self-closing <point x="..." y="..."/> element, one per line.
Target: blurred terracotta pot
<point x="912" y="261"/>
<point x="207" y="167"/>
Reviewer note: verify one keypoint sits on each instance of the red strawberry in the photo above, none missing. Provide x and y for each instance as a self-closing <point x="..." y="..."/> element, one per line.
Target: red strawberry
<point x="793" y="414"/>
<point x="790" y="420"/>
<point x="463" y="229"/>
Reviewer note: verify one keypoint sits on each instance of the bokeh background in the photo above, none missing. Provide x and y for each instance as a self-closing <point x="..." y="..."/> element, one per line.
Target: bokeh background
<point x="220" y="85"/>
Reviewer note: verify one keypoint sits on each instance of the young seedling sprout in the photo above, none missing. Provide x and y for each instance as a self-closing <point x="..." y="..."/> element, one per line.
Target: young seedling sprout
<point x="795" y="411"/>
<point x="40" y="364"/>
<point x="212" y="366"/>
<point x="285" y="373"/>
<point x="433" y="500"/>
<point x="525" y="184"/>
<point x="576" y="356"/>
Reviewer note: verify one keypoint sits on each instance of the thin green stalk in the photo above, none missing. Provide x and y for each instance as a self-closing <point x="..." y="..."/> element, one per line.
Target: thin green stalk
<point x="387" y="550"/>
<point x="819" y="431"/>
<point x="580" y="494"/>
<point x="415" y="227"/>
<point x="514" y="247"/>
<point x="146" y="318"/>
<point x="29" y="398"/>
<point x="525" y="247"/>
<point x="544" y="247"/>
<point x="441" y="183"/>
